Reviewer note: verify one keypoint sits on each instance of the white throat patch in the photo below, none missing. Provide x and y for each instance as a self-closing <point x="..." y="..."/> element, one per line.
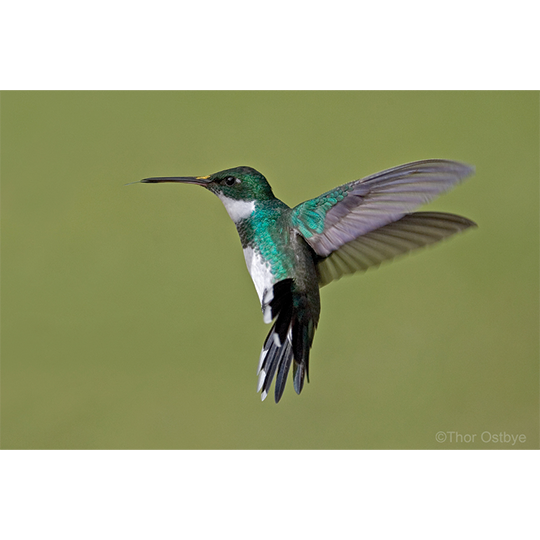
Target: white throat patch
<point x="237" y="210"/>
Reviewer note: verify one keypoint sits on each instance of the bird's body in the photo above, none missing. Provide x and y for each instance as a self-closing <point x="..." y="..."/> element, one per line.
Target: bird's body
<point x="291" y="252"/>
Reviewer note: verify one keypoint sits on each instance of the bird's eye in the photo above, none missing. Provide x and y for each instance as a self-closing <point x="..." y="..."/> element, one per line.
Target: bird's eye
<point x="230" y="180"/>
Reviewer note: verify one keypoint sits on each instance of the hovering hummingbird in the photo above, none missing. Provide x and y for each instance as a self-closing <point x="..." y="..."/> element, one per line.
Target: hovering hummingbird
<point x="292" y="252"/>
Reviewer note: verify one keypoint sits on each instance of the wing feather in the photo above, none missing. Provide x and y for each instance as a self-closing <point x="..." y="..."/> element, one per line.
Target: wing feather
<point x="351" y="210"/>
<point x="411" y="232"/>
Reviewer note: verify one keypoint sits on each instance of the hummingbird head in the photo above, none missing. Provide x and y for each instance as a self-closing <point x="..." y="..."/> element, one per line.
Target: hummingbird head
<point x="238" y="188"/>
<point x="239" y="183"/>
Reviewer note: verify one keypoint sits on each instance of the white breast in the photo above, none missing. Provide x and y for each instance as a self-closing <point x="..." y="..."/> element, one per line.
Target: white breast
<point x="260" y="273"/>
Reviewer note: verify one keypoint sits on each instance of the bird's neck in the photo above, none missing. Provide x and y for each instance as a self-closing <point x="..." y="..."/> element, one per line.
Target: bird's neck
<point x="262" y="223"/>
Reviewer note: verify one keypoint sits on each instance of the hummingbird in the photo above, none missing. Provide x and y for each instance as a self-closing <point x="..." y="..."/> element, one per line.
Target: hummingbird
<point x="292" y="252"/>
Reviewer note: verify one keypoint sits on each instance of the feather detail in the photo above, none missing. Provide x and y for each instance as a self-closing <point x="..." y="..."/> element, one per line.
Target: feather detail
<point x="411" y="232"/>
<point x="289" y="340"/>
<point x="352" y="210"/>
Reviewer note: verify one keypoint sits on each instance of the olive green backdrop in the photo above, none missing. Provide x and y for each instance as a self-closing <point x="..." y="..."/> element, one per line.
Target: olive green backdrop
<point x="129" y="319"/>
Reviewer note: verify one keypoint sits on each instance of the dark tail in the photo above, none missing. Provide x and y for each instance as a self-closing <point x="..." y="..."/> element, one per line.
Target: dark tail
<point x="288" y="341"/>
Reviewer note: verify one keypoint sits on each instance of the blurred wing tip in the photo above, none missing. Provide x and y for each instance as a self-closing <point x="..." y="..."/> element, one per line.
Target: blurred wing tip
<point x="470" y="224"/>
<point x="466" y="170"/>
<point x="464" y="223"/>
<point x="460" y="169"/>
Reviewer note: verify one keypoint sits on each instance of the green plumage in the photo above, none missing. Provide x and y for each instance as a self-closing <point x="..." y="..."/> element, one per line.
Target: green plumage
<point x="308" y="217"/>
<point x="267" y="232"/>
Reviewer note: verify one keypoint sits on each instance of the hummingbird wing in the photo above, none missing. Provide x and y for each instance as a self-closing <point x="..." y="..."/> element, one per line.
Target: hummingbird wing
<point x="354" y="209"/>
<point x="411" y="232"/>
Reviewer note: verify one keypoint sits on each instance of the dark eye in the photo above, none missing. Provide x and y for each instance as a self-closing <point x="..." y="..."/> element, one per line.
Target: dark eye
<point x="229" y="180"/>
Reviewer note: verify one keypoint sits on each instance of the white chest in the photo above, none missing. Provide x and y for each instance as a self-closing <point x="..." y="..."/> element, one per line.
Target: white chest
<point x="260" y="272"/>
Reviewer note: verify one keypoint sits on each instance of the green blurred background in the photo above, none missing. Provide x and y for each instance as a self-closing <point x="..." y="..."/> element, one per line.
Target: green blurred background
<point x="129" y="319"/>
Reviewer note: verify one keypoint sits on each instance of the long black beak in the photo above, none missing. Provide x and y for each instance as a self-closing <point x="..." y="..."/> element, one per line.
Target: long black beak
<point x="197" y="180"/>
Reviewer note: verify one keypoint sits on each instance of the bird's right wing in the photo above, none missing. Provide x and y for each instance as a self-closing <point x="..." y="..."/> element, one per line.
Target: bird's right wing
<point x="357" y="208"/>
<point x="411" y="232"/>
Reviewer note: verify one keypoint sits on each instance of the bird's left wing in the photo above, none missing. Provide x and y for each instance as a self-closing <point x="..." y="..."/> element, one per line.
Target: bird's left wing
<point x="409" y="233"/>
<point x="352" y="210"/>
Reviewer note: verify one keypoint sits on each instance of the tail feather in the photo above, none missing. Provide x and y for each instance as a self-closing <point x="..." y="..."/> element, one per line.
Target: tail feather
<point x="283" y="323"/>
<point x="272" y="367"/>
<point x="298" y="377"/>
<point x="276" y="357"/>
<point x="302" y="340"/>
<point x="283" y="371"/>
<point x="289" y="341"/>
